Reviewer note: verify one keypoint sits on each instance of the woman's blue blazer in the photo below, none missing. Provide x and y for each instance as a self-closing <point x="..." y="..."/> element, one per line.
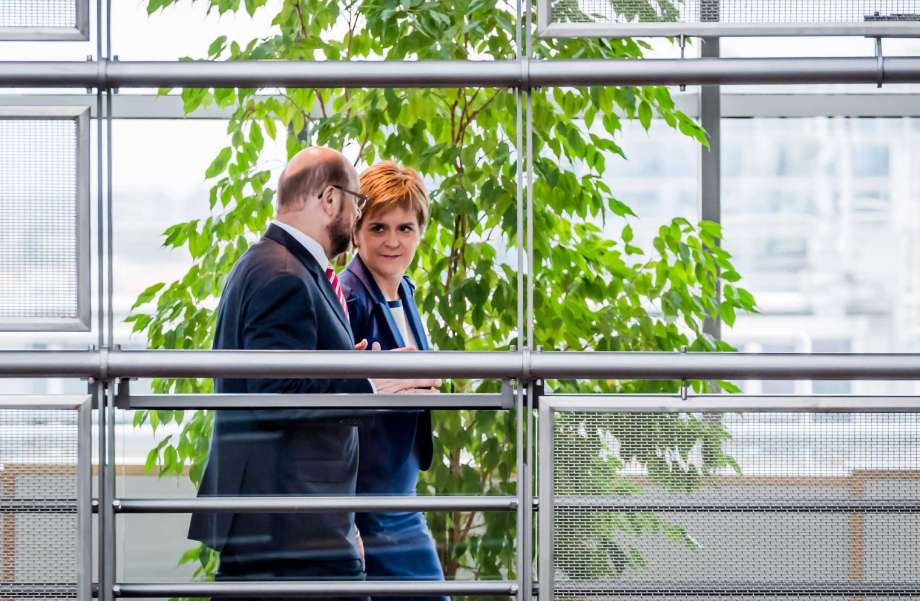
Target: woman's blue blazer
<point x="371" y="319"/>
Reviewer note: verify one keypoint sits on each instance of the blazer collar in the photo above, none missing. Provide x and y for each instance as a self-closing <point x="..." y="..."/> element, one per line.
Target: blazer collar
<point x="406" y="289"/>
<point x="315" y="249"/>
<point x="277" y="234"/>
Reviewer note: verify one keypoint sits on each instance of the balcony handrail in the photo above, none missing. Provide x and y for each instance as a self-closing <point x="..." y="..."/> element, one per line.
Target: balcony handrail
<point x="524" y="365"/>
<point x="317" y="504"/>
<point x="523" y="72"/>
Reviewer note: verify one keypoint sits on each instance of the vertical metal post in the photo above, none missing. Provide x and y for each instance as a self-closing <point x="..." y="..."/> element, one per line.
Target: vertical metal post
<point x="98" y="386"/>
<point x="84" y="501"/>
<point x="546" y="504"/>
<point x="110" y="292"/>
<point x="100" y="210"/>
<point x="105" y="399"/>
<point x="104" y="495"/>
<point x="108" y="161"/>
<point x="710" y="188"/>
<point x="524" y="477"/>
<point x="520" y="558"/>
<point x="107" y="510"/>
<point x="526" y="582"/>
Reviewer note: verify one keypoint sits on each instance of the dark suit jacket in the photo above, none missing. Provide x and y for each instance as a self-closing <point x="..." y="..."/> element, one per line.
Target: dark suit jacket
<point x="372" y="319"/>
<point x="277" y="297"/>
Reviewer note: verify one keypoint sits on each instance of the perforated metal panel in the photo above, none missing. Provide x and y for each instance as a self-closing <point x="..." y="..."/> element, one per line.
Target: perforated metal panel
<point x="44" y="20"/>
<point x="731" y="505"/>
<point x="44" y="498"/>
<point x="44" y="219"/>
<point x="615" y="18"/>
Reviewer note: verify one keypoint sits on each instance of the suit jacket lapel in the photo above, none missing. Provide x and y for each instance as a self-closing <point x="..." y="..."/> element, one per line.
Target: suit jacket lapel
<point x="415" y="323"/>
<point x="322" y="282"/>
<point x="358" y="268"/>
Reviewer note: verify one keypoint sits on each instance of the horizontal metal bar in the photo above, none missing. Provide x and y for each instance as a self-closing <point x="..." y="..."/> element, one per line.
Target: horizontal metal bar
<point x="42" y="112"/>
<point x="47" y="590"/>
<point x="745" y="589"/>
<point x="316" y="504"/>
<point x="456" y="73"/>
<point x="42" y="34"/>
<point x="49" y="364"/>
<point x="734" y="105"/>
<point x="43" y="402"/>
<point x="128" y="106"/>
<point x="292" y="364"/>
<point x="779" y="366"/>
<point x="648" y="29"/>
<point x="338" y="401"/>
<point x="42" y="324"/>
<point x="495" y="364"/>
<point x="506" y="504"/>
<point x="805" y="105"/>
<point x="340" y="588"/>
<point x="38" y="505"/>
<point x="652" y="403"/>
<point x="619" y="504"/>
<point x="720" y="71"/>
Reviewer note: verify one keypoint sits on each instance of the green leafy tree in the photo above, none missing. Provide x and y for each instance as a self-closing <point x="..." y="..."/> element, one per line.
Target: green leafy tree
<point x="593" y="290"/>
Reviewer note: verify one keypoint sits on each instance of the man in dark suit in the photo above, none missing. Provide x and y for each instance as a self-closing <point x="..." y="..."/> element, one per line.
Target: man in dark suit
<point x="283" y="295"/>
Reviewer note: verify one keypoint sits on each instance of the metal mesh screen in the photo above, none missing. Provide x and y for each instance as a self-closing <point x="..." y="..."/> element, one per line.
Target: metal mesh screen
<point x="38" y="491"/>
<point x="38" y="218"/>
<point x="675" y="505"/>
<point x="38" y="14"/>
<point x="739" y="12"/>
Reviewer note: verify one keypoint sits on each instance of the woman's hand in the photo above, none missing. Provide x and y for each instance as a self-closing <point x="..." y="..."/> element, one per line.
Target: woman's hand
<point x="401" y="386"/>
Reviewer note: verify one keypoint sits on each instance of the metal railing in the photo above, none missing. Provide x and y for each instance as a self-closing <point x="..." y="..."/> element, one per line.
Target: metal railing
<point x="109" y="371"/>
<point x="651" y="405"/>
<point x="522" y="73"/>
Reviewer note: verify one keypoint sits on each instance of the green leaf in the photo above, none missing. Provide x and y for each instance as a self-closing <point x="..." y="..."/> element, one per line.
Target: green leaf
<point x="147" y="295"/>
<point x="217" y="46"/>
<point x="645" y="114"/>
<point x="219" y="163"/>
<point x="627" y="234"/>
<point x="151" y="461"/>
<point x="727" y="312"/>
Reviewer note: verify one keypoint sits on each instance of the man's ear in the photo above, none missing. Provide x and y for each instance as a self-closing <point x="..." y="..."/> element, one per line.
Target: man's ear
<point x="327" y="203"/>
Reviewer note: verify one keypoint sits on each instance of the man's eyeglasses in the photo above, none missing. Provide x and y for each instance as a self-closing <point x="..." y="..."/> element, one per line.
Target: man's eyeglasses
<point x="360" y="199"/>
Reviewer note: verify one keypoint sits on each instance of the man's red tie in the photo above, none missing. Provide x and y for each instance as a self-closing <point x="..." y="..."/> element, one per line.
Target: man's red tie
<point x="334" y="280"/>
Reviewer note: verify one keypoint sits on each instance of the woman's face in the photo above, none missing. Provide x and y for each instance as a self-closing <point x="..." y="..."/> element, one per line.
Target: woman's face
<point x="387" y="241"/>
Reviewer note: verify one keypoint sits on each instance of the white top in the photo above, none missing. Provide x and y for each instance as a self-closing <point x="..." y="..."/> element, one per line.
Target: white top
<point x="399" y="316"/>
<point x="312" y="246"/>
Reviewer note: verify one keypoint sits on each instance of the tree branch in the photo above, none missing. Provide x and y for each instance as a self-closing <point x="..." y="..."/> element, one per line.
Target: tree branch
<point x="364" y="142"/>
<point x="352" y="24"/>
<point x="301" y="19"/>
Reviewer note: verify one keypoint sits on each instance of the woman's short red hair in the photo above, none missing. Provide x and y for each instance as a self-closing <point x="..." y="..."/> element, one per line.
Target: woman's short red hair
<point x="388" y="186"/>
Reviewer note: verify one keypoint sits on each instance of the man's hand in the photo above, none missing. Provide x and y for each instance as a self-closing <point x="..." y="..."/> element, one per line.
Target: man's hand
<point x="360" y="544"/>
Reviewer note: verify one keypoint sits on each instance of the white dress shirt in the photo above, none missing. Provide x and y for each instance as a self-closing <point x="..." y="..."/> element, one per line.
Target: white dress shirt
<point x="316" y="250"/>
<point x="312" y="246"/>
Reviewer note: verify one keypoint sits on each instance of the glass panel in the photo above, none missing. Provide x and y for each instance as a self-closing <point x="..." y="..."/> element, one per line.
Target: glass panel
<point x="821" y="215"/>
<point x="658" y="180"/>
<point x="39" y="202"/>
<point x="56" y="14"/>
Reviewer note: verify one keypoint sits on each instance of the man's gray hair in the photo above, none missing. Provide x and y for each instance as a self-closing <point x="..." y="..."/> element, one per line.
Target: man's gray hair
<point x="311" y="180"/>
